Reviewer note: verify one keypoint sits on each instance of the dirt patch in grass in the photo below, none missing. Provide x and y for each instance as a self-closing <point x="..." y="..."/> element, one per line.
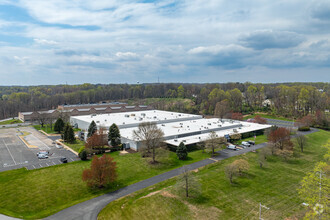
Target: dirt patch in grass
<point x="151" y="194"/>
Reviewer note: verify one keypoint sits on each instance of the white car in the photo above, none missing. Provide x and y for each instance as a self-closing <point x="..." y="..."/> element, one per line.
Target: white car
<point x="245" y="143"/>
<point x="232" y="147"/>
<point x="58" y="146"/>
<point x="42" y="156"/>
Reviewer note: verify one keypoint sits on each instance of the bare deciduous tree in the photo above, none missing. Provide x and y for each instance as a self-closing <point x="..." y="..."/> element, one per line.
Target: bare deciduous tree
<point x="301" y="141"/>
<point x="222" y="108"/>
<point x="151" y="137"/>
<point x="214" y="141"/>
<point x="188" y="183"/>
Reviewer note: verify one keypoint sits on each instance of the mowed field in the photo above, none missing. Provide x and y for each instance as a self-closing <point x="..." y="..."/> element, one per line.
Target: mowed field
<point x="275" y="186"/>
<point x="32" y="194"/>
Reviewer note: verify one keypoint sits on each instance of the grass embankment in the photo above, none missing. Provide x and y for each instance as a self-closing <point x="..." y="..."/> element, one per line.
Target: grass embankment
<point x="76" y="146"/>
<point x="32" y="194"/>
<point x="49" y="130"/>
<point x="274" y="186"/>
<point x="267" y="116"/>
<point x="11" y="121"/>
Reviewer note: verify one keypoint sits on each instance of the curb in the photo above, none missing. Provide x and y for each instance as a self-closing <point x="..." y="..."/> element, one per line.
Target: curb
<point x="26" y="143"/>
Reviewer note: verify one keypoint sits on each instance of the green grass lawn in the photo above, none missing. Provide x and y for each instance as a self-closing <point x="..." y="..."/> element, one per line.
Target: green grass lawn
<point x="274" y="186"/>
<point x="259" y="139"/>
<point x="11" y="121"/>
<point x="268" y="116"/>
<point x="76" y="146"/>
<point x="49" y="130"/>
<point x="32" y="194"/>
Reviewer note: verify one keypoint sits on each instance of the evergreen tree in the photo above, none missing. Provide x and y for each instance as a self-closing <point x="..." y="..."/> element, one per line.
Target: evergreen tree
<point x="114" y="135"/>
<point x="92" y="129"/>
<point x="68" y="134"/>
<point x="59" y="125"/>
<point x="71" y="138"/>
<point x="181" y="151"/>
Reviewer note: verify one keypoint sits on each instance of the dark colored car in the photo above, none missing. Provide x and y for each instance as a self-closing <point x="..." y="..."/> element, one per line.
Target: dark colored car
<point x="251" y="142"/>
<point x="63" y="160"/>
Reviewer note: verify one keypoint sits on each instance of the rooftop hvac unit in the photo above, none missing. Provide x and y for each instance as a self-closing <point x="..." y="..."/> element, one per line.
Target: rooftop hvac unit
<point x="208" y="123"/>
<point x="105" y="119"/>
<point x="155" y="116"/>
<point x="123" y="123"/>
<point x="143" y="114"/>
<point x="176" y="140"/>
<point x="184" y="141"/>
<point x="179" y="114"/>
<point x="140" y="119"/>
<point x="97" y="121"/>
<point x="163" y="125"/>
<point x="132" y="114"/>
<point x="219" y="126"/>
<point x="199" y="137"/>
<point x="127" y="116"/>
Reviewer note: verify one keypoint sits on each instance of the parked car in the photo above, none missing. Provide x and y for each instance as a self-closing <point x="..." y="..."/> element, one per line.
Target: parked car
<point x="232" y="147"/>
<point x="251" y="142"/>
<point x="43" y="152"/>
<point x="245" y="143"/>
<point x="58" y="146"/>
<point x="42" y="156"/>
<point x="239" y="148"/>
<point x="63" y="160"/>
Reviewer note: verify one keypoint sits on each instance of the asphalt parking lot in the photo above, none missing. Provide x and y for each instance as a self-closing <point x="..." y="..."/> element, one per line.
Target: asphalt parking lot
<point x="14" y="153"/>
<point x="280" y="123"/>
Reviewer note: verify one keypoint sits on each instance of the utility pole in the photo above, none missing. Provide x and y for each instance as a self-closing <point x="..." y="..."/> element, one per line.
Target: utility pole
<point x="261" y="206"/>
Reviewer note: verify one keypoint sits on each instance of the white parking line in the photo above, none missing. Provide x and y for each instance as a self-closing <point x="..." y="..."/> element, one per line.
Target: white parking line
<point x="31" y="135"/>
<point x="53" y="163"/>
<point x="71" y="159"/>
<point x="47" y="165"/>
<point x="33" y="167"/>
<point x="9" y="151"/>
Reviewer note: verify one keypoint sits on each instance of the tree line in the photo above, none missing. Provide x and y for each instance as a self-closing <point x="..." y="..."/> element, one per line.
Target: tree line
<point x="288" y="99"/>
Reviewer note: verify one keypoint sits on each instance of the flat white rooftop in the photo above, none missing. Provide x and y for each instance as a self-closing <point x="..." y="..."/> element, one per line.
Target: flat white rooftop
<point x="125" y="119"/>
<point x="177" y="127"/>
<point x="194" y="131"/>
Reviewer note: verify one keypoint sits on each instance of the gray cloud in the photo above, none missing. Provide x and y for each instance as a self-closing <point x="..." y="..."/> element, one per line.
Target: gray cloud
<point x="266" y="39"/>
<point x="321" y="11"/>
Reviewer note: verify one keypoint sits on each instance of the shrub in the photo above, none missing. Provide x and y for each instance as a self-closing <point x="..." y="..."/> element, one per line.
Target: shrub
<point x="83" y="155"/>
<point x="304" y="128"/>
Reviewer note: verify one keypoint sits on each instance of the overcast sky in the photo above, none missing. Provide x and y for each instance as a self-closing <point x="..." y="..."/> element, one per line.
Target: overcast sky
<point x="123" y="41"/>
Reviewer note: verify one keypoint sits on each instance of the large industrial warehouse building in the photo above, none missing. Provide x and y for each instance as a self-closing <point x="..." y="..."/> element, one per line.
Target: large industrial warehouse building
<point x="177" y="127"/>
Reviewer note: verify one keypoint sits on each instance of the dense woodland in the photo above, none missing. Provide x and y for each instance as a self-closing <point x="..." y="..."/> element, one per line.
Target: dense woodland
<point x="287" y="99"/>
